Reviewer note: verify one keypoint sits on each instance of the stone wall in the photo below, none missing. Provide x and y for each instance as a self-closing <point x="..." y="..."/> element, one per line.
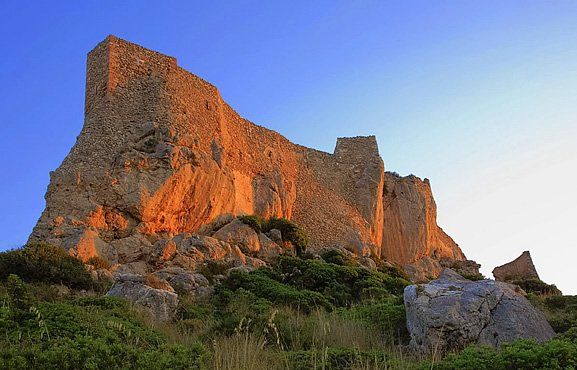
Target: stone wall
<point x="161" y="153"/>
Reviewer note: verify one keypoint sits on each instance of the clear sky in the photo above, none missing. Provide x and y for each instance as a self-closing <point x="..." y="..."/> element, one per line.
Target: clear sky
<point x="478" y="96"/>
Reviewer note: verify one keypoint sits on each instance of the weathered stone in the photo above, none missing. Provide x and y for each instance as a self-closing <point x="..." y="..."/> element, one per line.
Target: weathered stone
<point x="195" y="284"/>
<point x="137" y="268"/>
<point x="275" y="235"/>
<point x="452" y="312"/>
<point x="410" y="221"/>
<point x="104" y="275"/>
<point x="466" y="268"/>
<point x="131" y="249"/>
<point x="161" y="154"/>
<point x="519" y="269"/>
<point x="368" y="263"/>
<point x="423" y="270"/>
<point x="161" y="304"/>
<point x="239" y="233"/>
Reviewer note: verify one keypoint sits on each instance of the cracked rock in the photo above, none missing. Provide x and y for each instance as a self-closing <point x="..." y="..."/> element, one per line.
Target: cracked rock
<point x="452" y="312"/>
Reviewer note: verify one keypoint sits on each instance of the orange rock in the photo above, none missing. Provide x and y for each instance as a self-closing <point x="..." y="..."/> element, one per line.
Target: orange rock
<point x="161" y="154"/>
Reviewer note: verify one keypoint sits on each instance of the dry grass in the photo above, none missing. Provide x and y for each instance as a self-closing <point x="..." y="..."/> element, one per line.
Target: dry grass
<point x="322" y="329"/>
<point x="154" y="281"/>
<point x="244" y="351"/>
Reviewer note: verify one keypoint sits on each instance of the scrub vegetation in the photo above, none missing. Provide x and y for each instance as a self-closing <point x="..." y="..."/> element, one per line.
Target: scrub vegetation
<point x="301" y="312"/>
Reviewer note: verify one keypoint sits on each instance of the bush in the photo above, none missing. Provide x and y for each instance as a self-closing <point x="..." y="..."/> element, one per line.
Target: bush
<point x="45" y="263"/>
<point x="537" y="286"/>
<point x="342" y="285"/>
<point x="386" y="315"/>
<point x="213" y="268"/>
<point x="90" y="333"/>
<point x="343" y="358"/>
<point x="521" y="355"/>
<point x="291" y="232"/>
<point x="561" y="311"/>
<point x="253" y="221"/>
<point x="263" y="286"/>
<point x="337" y="256"/>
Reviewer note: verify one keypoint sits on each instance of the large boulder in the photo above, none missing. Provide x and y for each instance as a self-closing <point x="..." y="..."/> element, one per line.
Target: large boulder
<point x="186" y="281"/>
<point x="241" y="234"/>
<point x="521" y="268"/>
<point x="161" y="304"/>
<point x="452" y="312"/>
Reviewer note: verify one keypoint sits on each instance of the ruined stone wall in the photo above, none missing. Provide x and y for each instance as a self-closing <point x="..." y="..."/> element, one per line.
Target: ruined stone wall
<point x="161" y="153"/>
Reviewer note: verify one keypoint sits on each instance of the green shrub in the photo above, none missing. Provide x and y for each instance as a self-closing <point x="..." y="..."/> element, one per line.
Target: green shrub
<point x="253" y="221"/>
<point x="393" y="270"/>
<point x="386" y="315"/>
<point x="337" y="256"/>
<point x="212" y="268"/>
<point x="291" y="232"/>
<point x="561" y="311"/>
<point x="342" y="285"/>
<point x="521" y="355"/>
<point x="342" y="358"/>
<point x="263" y="286"/>
<point x="537" y="286"/>
<point x="45" y="263"/>
<point x="90" y="333"/>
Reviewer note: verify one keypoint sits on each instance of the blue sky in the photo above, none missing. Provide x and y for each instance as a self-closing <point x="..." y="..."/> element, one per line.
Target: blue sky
<point x="478" y="96"/>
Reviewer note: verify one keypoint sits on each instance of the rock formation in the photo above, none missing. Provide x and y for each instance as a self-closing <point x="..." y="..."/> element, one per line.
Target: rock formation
<point x="452" y="312"/>
<point x="519" y="269"/>
<point x="161" y="156"/>
<point x="160" y="303"/>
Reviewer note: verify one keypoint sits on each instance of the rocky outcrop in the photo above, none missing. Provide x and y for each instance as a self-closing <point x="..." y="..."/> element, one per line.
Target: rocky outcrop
<point x="521" y="268"/>
<point x="160" y="303"/>
<point x="162" y="157"/>
<point x="410" y="221"/>
<point x="452" y="312"/>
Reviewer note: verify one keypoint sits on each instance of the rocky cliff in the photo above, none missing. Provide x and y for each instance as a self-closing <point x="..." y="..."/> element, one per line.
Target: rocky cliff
<point x="161" y="154"/>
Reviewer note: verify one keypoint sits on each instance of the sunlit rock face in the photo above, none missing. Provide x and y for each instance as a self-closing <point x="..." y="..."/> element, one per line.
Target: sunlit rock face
<point x="161" y="154"/>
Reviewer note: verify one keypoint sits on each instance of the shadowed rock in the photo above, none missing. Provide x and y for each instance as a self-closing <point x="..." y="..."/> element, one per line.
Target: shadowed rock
<point x="521" y="268"/>
<point x="161" y="304"/>
<point x="452" y="312"/>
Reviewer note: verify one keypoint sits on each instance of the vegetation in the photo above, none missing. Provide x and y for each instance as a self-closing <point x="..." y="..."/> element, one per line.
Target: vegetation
<point x="537" y="286"/>
<point x="290" y="231"/>
<point x="561" y="311"/>
<point x="298" y="313"/>
<point x="98" y="263"/>
<point x="559" y="353"/>
<point x="46" y="264"/>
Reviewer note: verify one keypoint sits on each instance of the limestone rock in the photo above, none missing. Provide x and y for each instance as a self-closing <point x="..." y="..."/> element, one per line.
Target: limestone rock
<point x="135" y="268"/>
<point x="452" y="312"/>
<point x="161" y="304"/>
<point x="410" y="221"/>
<point x="184" y="281"/>
<point x="239" y="233"/>
<point x="275" y="235"/>
<point x="519" y="269"/>
<point x="161" y="154"/>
